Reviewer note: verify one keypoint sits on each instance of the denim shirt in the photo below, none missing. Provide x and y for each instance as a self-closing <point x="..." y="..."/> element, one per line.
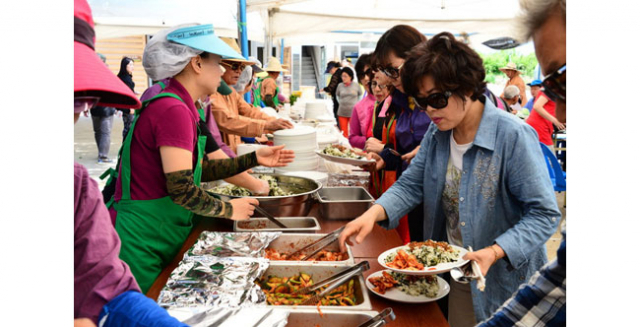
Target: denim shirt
<point x="505" y="197"/>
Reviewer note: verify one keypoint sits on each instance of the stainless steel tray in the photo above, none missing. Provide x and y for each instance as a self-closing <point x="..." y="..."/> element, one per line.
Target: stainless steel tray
<point x="293" y="242"/>
<point x="344" y="202"/>
<point x="294" y="224"/>
<point x="318" y="273"/>
<point x="297" y="205"/>
<point x="330" y="317"/>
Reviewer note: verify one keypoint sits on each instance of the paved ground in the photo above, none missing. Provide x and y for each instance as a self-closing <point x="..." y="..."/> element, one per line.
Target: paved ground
<point x="86" y="153"/>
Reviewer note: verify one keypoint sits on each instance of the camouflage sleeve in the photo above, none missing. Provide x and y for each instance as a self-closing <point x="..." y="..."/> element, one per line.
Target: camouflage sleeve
<point x="213" y="170"/>
<point x="184" y="192"/>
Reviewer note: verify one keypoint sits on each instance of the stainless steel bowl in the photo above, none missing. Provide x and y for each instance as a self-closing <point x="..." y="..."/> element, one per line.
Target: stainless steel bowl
<point x="297" y="205"/>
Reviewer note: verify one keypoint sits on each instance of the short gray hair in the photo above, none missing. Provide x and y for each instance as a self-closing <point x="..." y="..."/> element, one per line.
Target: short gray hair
<point x="535" y="12"/>
<point x="511" y="92"/>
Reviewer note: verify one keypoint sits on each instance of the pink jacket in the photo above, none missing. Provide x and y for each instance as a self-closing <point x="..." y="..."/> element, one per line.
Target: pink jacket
<point x="361" y="121"/>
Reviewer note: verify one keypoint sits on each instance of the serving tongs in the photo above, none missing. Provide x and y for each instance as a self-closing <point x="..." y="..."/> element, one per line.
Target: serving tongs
<point x="385" y="316"/>
<point x="335" y="281"/>
<point x="270" y="217"/>
<point x="320" y="243"/>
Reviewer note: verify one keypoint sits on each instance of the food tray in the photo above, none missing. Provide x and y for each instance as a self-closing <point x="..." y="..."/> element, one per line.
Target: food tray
<point x="318" y="273"/>
<point x="343" y="202"/>
<point x="294" y="224"/>
<point x="293" y="242"/>
<point x="330" y="317"/>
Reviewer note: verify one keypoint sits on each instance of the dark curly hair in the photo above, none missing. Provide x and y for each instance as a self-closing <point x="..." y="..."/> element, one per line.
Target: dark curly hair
<point x="453" y="65"/>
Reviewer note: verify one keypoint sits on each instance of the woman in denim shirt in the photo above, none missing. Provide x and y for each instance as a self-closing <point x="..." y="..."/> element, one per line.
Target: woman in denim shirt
<point x="481" y="175"/>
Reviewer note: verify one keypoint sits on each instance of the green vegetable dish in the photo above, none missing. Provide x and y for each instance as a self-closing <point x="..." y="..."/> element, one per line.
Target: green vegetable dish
<point x="341" y="151"/>
<point x="233" y="190"/>
<point x="417" y="285"/>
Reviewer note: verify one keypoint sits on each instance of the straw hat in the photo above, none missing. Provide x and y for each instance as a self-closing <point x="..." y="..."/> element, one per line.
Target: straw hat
<point x="274" y="66"/>
<point x="234" y="45"/>
<point x="510" y="66"/>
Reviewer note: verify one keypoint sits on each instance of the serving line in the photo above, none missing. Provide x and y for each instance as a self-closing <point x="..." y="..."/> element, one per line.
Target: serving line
<point x="378" y="241"/>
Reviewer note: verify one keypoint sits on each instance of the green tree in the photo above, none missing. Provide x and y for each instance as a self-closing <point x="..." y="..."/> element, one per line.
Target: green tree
<point x="493" y="62"/>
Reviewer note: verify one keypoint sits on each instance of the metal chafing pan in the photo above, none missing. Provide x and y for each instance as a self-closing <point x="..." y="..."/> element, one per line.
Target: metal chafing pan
<point x="293" y="242"/>
<point x="318" y="273"/>
<point x="330" y="317"/>
<point x="343" y="202"/>
<point x="297" y="205"/>
<point x="294" y="224"/>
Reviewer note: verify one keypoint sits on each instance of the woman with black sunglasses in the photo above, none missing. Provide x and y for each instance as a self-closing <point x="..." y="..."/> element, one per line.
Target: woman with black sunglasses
<point x="480" y="174"/>
<point x="403" y="126"/>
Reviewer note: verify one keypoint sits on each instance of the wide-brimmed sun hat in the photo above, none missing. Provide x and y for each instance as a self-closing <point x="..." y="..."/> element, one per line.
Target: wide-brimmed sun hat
<point x="251" y="61"/>
<point x="91" y="77"/>
<point x="274" y="65"/>
<point x="510" y="66"/>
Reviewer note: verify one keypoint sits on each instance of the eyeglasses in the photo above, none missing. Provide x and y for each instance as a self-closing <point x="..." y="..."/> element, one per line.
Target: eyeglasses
<point x="392" y="72"/>
<point x="555" y="84"/>
<point x="81" y="104"/>
<point x="235" y="66"/>
<point x="434" y="100"/>
<point x="380" y="86"/>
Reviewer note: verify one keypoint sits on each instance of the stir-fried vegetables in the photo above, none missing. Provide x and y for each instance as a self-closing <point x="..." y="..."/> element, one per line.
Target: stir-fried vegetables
<point x="323" y="255"/>
<point x="410" y="284"/>
<point x="281" y="291"/>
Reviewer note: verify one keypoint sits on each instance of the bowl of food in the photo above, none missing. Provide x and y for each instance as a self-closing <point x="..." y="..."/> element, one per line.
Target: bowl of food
<point x="289" y="196"/>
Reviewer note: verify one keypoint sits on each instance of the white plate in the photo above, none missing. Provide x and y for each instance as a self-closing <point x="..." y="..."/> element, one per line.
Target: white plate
<point x="395" y="294"/>
<point x="348" y="161"/>
<point x="437" y="269"/>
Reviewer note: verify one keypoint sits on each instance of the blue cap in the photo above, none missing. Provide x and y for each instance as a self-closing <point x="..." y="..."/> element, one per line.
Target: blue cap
<point x="201" y="37"/>
<point x="535" y="82"/>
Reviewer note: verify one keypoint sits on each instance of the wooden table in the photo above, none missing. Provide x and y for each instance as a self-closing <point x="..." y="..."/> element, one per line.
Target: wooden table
<point x="378" y="241"/>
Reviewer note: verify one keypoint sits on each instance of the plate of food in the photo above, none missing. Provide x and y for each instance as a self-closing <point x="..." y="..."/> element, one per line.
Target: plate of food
<point x="341" y="154"/>
<point x="407" y="288"/>
<point x="423" y="258"/>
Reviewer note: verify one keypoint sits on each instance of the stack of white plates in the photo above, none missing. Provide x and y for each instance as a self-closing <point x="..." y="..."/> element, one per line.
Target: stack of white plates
<point x="315" y="109"/>
<point x="302" y="140"/>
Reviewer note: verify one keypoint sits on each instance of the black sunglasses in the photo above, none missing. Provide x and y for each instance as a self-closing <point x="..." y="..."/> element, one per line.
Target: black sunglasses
<point x="392" y="72"/>
<point x="555" y="84"/>
<point x="434" y="100"/>
<point x="235" y="65"/>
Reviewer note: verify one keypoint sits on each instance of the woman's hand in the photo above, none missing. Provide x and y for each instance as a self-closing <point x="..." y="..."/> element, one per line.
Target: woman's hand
<point x="558" y="124"/>
<point x="373" y="145"/>
<point x="260" y="188"/>
<point x="409" y="156"/>
<point x="379" y="162"/>
<point x="274" y="156"/>
<point x="278" y="124"/>
<point x="361" y="226"/>
<point x="243" y="208"/>
<point x="485" y="257"/>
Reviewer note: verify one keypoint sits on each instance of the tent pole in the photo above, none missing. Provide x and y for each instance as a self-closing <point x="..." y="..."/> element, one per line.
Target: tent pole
<point x="244" y="42"/>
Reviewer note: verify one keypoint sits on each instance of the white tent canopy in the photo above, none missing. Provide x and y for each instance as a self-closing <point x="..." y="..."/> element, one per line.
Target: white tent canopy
<point x="316" y="21"/>
<point x="117" y="18"/>
<point x="310" y="21"/>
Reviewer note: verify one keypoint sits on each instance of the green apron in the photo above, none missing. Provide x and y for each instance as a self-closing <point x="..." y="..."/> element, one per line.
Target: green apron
<point x="152" y="231"/>
<point x="257" y="98"/>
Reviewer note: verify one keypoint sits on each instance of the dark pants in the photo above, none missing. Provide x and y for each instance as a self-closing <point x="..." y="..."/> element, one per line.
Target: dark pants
<point x="102" y="132"/>
<point x="127" y="119"/>
<point x="335" y="109"/>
